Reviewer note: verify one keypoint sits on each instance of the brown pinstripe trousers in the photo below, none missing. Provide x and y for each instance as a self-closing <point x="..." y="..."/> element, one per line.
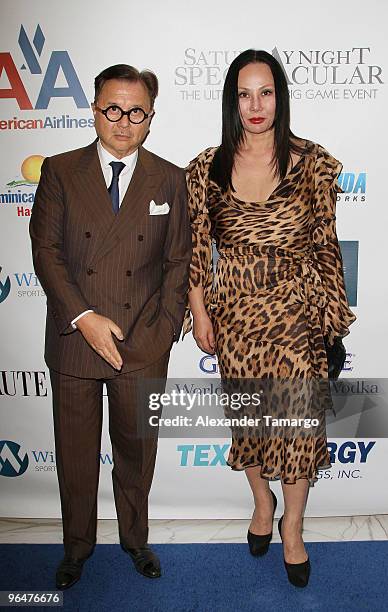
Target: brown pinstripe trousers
<point x="78" y="409"/>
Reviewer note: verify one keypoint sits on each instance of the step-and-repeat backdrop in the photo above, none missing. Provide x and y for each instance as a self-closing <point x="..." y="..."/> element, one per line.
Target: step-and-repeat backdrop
<point x="335" y="58"/>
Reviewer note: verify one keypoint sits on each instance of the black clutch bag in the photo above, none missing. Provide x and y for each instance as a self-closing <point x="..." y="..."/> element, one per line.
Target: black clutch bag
<point x="336" y="356"/>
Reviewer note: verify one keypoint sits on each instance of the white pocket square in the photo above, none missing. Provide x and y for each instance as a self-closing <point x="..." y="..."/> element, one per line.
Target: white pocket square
<point x="159" y="209"/>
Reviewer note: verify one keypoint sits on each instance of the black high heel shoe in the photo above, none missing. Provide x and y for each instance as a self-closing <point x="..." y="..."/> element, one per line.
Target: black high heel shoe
<point x="259" y="544"/>
<point x="298" y="573"/>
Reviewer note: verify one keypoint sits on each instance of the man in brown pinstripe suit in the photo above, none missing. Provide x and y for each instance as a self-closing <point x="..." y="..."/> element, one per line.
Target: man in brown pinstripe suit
<point x="111" y="246"/>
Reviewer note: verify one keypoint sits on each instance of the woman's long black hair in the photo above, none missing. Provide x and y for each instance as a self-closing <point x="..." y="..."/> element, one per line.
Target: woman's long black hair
<point x="232" y="128"/>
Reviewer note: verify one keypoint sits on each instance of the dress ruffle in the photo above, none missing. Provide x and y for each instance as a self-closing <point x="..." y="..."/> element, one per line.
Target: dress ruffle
<point x="201" y="269"/>
<point x="338" y="316"/>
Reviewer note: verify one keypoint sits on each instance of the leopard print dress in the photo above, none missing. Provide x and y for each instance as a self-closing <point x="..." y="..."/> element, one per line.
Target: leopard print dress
<point x="277" y="291"/>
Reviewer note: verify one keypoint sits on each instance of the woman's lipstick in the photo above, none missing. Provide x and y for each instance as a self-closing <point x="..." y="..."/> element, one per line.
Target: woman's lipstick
<point x="256" y="120"/>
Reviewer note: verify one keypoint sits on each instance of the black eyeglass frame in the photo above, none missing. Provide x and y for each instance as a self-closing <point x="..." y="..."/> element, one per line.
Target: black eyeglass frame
<point x="104" y="111"/>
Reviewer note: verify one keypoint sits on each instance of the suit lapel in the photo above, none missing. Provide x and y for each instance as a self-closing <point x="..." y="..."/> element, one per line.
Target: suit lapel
<point x="91" y="187"/>
<point x="145" y="182"/>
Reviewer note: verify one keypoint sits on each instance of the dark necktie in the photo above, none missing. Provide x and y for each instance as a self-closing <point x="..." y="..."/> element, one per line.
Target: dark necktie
<point x="113" y="188"/>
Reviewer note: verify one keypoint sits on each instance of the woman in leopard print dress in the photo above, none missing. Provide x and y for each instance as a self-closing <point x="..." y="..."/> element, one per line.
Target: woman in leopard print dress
<point x="268" y="200"/>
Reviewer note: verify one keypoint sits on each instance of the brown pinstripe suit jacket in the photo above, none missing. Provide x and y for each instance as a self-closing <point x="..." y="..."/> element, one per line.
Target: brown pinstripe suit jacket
<point x="131" y="267"/>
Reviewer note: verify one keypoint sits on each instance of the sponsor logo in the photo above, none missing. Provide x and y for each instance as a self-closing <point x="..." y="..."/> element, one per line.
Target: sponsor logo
<point x="350" y="451"/>
<point x="26" y="285"/>
<point x="209" y="364"/>
<point x="347" y="453"/>
<point x="23" y="383"/>
<point x="203" y="455"/>
<point x="5" y="286"/>
<point x="13" y="461"/>
<point x="312" y="74"/>
<point x="354" y="186"/>
<point x="213" y="455"/>
<point x="45" y="460"/>
<point x="21" y="190"/>
<point x="54" y="74"/>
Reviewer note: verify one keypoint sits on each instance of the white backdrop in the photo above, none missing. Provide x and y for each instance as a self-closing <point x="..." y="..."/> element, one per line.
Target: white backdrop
<point x="335" y="56"/>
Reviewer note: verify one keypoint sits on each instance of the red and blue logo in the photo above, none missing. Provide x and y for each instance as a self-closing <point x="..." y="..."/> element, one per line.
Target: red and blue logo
<point x="33" y="78"/>
<point x="58" y="62"/>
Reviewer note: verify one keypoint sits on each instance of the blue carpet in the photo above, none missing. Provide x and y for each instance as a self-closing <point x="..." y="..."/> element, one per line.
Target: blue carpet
<point x="351" y="576"/>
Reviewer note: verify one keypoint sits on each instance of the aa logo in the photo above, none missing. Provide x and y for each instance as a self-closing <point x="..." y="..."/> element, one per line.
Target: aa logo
<point x="59" y="62"/>
<point x="5" y="287"/>
<point x="12" y="463"/>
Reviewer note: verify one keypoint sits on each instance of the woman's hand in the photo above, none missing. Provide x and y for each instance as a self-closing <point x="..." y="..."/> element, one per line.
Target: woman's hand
<point x="202" y="325"/>
<point x="203" y="333"/>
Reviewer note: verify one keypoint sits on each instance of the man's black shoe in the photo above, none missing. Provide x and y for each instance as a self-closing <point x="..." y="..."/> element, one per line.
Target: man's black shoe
<point x="68" y="573"/>
<point x="144" y="560"/>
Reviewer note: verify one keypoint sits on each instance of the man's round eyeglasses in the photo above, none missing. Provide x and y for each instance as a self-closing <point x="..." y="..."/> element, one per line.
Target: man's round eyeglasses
<point x="115" y="113"/>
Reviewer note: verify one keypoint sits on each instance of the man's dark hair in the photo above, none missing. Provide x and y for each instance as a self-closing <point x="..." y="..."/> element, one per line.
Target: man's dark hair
<point x="127" y="73"/>
<point x="232" y="128"/>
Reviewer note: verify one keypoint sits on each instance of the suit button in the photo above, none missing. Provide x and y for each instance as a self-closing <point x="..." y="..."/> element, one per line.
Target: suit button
<point x="87" y="234"/>
<point x="128" y="273"/>
<point x="127" y="306"/>
<point x="140" y="237"/>
<point x="89" y="271"/>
